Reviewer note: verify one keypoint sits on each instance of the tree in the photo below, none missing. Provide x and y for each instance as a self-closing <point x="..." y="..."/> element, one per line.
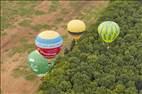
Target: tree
<point x="93" y="69"/>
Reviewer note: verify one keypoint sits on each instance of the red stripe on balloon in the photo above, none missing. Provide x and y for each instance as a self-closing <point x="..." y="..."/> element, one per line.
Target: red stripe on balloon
<point x="49" y="53"/>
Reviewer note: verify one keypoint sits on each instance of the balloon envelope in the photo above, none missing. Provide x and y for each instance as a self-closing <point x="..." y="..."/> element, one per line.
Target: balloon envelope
<point x="76" y="28"/>
<point x="108" y="31"/>
<point x="49" y="43"/>
<point x="38" y="63"/>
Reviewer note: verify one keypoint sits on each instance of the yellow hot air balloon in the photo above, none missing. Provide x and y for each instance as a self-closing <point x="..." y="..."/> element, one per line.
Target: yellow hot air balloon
<point x="76" y="28"/>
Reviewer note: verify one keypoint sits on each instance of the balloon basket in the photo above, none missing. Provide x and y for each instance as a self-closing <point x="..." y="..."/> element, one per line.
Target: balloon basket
<point x="108" y="45"/>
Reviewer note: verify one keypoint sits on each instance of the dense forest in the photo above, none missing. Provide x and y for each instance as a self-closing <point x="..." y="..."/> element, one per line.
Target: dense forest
<point x="91" y="68"/>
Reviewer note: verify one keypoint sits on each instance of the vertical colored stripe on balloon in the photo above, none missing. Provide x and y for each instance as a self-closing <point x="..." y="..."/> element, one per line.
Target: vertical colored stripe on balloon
<point x="113" y="32"/>
<point x="116" y="31"/>
<point x="102" y="33"/>
<point x="110" y="33"/>
<point x="106" y="33"/>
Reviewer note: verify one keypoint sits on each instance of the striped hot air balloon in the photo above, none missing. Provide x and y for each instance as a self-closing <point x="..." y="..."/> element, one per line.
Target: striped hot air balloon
<point x="108" y="31"/>
<point x="38" y="63"/>
<point x="49" y="43"/>
<point x="76" y="28"/>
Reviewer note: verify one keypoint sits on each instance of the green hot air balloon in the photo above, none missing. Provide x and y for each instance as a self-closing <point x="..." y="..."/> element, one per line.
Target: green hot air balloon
<point x="108" y="31"/>
<point x="38" y="63"/>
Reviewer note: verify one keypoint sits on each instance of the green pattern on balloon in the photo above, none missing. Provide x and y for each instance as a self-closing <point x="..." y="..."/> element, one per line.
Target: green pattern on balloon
<point x="38" y="63"/>
<point x="34" y="67"/>
<point x="108" y="31"/>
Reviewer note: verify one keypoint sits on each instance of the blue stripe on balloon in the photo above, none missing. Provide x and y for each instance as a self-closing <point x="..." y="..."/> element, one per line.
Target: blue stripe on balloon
<point x="48" y="41"/>
<point x="54" y="45"/>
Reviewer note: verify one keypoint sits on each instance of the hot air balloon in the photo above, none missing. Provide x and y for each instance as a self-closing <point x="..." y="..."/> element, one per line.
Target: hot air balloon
<point x="49" y="44"/>
<point x="108" y="31"/>
<point x="76" y="28"/>
<point x="38" y="63"/>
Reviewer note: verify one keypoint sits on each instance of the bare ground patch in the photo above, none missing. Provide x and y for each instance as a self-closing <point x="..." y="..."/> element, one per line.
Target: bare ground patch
<point x="12" y="85"/>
